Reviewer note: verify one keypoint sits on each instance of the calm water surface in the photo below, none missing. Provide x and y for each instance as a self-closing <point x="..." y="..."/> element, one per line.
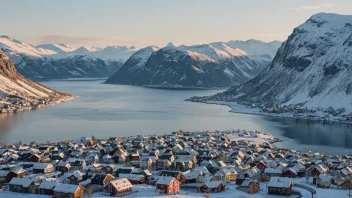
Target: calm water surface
<point x="114" y="110"/>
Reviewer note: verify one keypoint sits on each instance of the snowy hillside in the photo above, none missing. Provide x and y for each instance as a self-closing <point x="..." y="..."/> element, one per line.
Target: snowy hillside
<point x="51" y="61"/>
<point x="314" y="67"/>
<point x="180" y="66"/>
<point x="13" y="83"/>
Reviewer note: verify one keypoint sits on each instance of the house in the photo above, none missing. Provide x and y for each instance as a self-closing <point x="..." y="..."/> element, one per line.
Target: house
<point x="280" y="185"/>
<point x="98" y="181"/>
<point x="134" y="178"/>
<point x="77" y="164"/>
<point x="18" y="172"/>
<point x="34" y="158"/>
<point x="290" y="172"/>
<point x="63" y="167"/>
<point x="68" y="191"/>
<point x="168" y="185"/>
<point x="317" y="170"/>
<point x="47" y="187"/>
<point x="21" y="185"/>
<point x="322" y="181"/>
<point x="250" y="186"/>
<point x="118" y="187"/>
<point x="43" y="168"/>
<point x="174" y="174"/>
<point x="271" y="172"/>
<point x="212" y="186"/>
<point x="75" y="177"/>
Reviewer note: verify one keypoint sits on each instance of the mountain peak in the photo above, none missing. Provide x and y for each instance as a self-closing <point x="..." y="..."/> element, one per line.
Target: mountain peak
<point x="172" y="44"/>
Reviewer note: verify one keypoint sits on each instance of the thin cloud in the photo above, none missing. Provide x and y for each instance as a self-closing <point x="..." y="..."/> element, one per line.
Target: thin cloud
<point x="312" y="7"/>
<point x="56" y="38"/>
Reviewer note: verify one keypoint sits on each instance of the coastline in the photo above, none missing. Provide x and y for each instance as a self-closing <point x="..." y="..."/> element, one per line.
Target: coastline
<point x="243" y="109"/>
<point x="20" y="107"/>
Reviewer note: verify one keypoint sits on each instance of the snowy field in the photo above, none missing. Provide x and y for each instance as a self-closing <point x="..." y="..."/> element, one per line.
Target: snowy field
<point x="143" y="190"/>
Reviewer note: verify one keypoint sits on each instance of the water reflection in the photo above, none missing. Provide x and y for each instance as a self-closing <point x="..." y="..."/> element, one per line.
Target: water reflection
<point x="7" y="121"/>
<point x="316" y="133"/>
<point x="109" y="110"/>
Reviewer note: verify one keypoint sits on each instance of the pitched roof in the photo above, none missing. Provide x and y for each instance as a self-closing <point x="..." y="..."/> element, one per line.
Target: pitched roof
<point x="25" y="182"/>
<point x="48" y="184"/>
<point x="121" y="184"/>
<point x="165" y="180"/>
<point x="66" y="188"/>
<point x="281" y="182"/>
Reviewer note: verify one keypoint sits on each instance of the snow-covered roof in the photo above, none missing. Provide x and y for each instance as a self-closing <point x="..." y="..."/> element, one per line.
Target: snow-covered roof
<point x="281" y="182"/>
<point x="273" y="170"/>
<point x="165" y="180"/>
<point x="25" y="182"/>
<point x="48" y="184"/>
<point x="213" y="184"/>
<point x="66" y="188"/>
<point x="121" y="184"/>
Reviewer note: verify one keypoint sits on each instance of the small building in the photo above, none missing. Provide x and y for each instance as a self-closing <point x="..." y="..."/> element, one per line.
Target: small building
<point x="119" y="187"/>
<point x="43" y="168"/>
<point x="18" y="172"/>
<point x="322" y="181"/>
<point x="21" y="185"/>
<point x="212" y="186"/>
<point x="134" y="178"/>
<point x="168" y="185"/>
<point x="47" y="187"/>
<point x="280" y="185"/>
<point x="34" y="158"/>
<point x="98" y="181"/>
<point x="63" y="167"/>
<point x="250" y="186"/>
<point x="68" y="191"/>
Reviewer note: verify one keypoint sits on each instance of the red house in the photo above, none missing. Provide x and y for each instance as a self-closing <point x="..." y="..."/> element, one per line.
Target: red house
<point x="118" y="187"/>
<point x="168" y="185"/>
<point x="261" y="166"/>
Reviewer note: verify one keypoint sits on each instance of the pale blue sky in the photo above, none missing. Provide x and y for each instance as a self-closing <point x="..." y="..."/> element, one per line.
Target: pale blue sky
<point x="156" y="22"/>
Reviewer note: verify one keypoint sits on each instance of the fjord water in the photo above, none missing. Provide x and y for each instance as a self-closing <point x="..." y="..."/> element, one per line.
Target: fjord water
<point x="117" y="110"/>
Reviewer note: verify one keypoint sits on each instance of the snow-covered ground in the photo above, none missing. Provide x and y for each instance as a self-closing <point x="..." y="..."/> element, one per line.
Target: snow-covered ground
<point x="238" y="108"/>
<point x="143" y="190"/>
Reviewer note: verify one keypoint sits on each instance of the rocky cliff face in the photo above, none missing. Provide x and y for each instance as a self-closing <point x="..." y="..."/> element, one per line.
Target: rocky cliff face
<point x="198" y="66"/>
<point x="13" y="83"/>
<point x="314" y="67"/>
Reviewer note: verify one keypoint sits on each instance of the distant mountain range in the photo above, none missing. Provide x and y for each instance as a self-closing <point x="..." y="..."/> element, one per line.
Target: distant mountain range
<point x="313" y="67"/>
<point x="13" y="83"/>
<point x="218" y="64"/>
<point x="59" y="61"/>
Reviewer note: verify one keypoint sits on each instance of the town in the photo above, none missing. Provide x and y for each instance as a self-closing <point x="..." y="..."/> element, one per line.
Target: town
<point x="297" y="111"/>
<point x="236" y="163"/>
<point x="15" y="104"/>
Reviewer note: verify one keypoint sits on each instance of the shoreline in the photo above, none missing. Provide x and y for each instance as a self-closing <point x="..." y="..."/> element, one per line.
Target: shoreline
<point x="16" y="108"/>
<point x="256" y="111"/>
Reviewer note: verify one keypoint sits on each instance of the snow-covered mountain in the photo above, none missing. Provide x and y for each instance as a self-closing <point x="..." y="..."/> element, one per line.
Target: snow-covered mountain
<point x="58" y="48"/>
<point x="179" y="66"/>
<point x="13" y="83"/>
<point x="52" y="61"/>
<point x="313" y="67"/>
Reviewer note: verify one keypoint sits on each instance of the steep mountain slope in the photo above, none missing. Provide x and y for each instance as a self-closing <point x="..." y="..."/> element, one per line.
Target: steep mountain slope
<point x="314" y="67"/>
<point x="13" y="83"/>
<point x="208" y="65"/>
<point x="134" y="64"/>
<point x="51" y="61"/>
